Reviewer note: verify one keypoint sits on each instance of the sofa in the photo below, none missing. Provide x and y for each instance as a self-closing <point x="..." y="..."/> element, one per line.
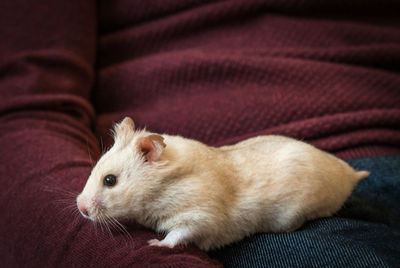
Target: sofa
<point x="326" y="72"/>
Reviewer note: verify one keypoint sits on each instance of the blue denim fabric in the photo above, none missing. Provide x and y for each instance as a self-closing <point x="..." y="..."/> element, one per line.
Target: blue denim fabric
<point x="364" y="233"/>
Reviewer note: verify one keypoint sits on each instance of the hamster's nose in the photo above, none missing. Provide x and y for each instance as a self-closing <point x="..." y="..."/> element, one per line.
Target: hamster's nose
<point x="83" y="210"/>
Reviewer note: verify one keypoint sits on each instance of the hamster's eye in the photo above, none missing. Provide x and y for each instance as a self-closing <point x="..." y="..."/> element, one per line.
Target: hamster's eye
<point x="110" y="180"/>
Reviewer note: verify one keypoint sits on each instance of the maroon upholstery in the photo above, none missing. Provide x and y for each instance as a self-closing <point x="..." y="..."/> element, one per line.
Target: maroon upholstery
<point x="218" y="71"/>
<point x="223" y="71"/>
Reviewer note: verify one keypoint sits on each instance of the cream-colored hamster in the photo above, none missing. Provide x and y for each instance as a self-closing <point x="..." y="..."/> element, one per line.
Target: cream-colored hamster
<point x="214" y="196"/>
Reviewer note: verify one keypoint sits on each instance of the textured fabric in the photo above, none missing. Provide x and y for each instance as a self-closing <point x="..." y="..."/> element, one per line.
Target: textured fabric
<point x="217" y="71"/>
<point x="47" y="55"/>
<point x="222" y="71"/>
<point x="365" y="233"/>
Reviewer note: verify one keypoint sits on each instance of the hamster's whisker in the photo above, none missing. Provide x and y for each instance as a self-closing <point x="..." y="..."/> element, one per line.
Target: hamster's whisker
<point x="100" y="221"/>
<point x="70" y="202"/>
<point x="102" y="146"/>
<point x="107" y="223"/>
<point x="76" y="216"/>
<point x="103" y="221"/>
<point x="76" y="213"/>
<point x="103" y="227"/>
<point x="98" y="230"/>
<point x="63" y="205"/>
<point x="66" y="201"/>
<point x="95" y="224"/>
<point x="70" y="208"/>
<point x="109" y="229"/>
<point x="58" y="190"/>
<point x="90" y="156"/>
<point x="118" y="226"/>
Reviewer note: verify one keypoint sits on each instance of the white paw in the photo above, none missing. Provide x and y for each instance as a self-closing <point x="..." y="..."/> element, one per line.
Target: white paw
<point x="158" y="243"/>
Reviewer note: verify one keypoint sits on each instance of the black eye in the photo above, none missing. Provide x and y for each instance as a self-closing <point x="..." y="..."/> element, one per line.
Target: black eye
<point x="110" y="180"/>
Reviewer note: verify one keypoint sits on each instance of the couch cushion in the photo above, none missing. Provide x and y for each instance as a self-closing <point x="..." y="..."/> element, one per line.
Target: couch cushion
<point x="47" y="55"/>
<point x="222" y="71"/>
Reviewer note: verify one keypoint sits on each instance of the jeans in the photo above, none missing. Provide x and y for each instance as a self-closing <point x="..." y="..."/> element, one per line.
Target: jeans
<point x="364" y="233"/>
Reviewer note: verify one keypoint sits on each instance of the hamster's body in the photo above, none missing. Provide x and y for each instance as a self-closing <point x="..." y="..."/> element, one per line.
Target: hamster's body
<point x="214" y="196"/>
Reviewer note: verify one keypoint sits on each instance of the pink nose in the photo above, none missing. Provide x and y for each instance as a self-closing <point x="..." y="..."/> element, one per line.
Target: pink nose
<point x="83" y="210"/>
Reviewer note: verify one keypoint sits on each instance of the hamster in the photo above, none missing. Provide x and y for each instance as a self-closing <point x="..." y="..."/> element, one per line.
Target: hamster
<point x="214" y="196"/>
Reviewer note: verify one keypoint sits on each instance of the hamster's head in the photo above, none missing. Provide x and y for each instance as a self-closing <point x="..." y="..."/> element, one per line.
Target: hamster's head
<point x="123" y="176"/>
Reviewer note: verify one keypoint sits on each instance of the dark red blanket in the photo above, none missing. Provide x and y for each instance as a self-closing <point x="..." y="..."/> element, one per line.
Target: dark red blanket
<point x="218" y="71"/>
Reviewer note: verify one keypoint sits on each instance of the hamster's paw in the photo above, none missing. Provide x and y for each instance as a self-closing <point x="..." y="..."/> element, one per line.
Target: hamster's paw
<point x="158" y="243"/>
<point x="173" y="238"/>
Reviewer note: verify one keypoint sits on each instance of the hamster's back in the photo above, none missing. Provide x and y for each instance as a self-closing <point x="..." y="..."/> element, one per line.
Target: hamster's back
<point x="288" y="181"/>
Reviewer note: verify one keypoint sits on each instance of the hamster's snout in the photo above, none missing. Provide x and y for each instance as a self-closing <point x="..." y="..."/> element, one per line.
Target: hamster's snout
<point x="83" y="210"/>
<point x="82" y="206"/>
<point x="89" y="207"/>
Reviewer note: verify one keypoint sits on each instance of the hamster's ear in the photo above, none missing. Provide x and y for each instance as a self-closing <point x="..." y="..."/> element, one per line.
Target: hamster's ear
<point x="123" y="129"/>
<point x="127" y="121"/>
<point x="151" y="146"/>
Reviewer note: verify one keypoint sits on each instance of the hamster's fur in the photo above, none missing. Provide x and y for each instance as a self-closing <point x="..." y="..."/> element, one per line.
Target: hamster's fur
<point x="214" y="196"/>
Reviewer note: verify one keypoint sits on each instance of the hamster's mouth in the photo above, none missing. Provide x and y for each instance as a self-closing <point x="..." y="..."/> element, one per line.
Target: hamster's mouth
<point x="86" y="216"/>
<point x="91" y="208"/>
<point x="91" y="214"/>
